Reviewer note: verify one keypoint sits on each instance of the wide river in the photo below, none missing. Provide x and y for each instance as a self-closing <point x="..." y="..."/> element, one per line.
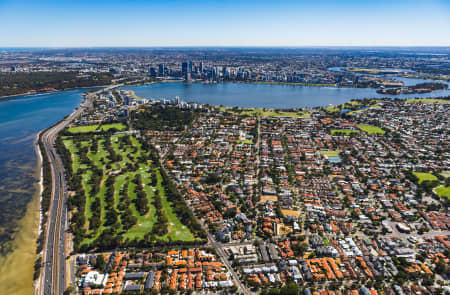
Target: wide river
<point x="22" y="117"/>
<point x="265" y="95"/>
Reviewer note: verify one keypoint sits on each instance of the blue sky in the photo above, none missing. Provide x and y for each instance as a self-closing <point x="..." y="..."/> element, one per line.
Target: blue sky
<point x="80" y="23"/>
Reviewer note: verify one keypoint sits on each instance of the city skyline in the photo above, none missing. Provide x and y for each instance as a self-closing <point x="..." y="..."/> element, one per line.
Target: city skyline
<point x="205" y="23"/>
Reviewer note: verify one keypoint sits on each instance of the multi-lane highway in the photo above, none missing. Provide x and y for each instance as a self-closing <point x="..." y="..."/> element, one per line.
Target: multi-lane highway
<point x="53" y="278"/>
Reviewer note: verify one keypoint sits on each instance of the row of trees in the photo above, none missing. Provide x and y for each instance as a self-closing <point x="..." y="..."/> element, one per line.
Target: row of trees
<point x="160" y="226"/>
<point x="112" y="223"/>
<point x="99" y="131"/>
<point x="79" y="200"/>
<point x="180" y="207"/>
<point x="118" y="219"/>
<point x="127" y="217"/>
<point x="141" y="201"/>
<point x="47" y="188"/>
<point x="162" y="117"/>
<point x="111" y="215"/>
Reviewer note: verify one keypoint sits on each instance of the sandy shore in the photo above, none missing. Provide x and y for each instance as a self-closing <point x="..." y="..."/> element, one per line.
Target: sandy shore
<point x="17" y="268"/>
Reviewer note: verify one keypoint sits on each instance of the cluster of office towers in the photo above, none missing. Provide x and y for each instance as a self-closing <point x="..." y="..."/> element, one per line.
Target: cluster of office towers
<point x="188" y="68"/>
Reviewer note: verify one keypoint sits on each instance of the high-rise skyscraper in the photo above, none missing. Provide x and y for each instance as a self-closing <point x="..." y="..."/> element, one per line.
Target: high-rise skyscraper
<point x="186" y="70"/>
<point x="152" y="72"/>
<point x="161" y="70"/>
<point x="200" y="67"/>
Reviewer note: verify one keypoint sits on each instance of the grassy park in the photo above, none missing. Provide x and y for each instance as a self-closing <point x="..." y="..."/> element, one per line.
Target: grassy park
<point x="123" y="190"/>
<point x="332" y="109"/>
<point x="343" y="132"/>
<point x="443" y="191"/>
<point x="439" y="187"/>
<point x="245" y="141"/>
<point x="371" y="129"/>
<point x="423" y="176"/>
<point x="353" y="106"/>
<point x="98" y="127"/>
<point x="428" y="100"/>
<point x="328" y="153"/>
<point x="364" y="109"/>
<point x="267" y="112"/>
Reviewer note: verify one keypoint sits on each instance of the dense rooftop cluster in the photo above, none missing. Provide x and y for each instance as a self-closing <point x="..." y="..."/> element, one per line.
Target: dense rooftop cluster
<point x="335" y="202"/>
<point x="152" y="272"/>
<point x="273" y="65"/>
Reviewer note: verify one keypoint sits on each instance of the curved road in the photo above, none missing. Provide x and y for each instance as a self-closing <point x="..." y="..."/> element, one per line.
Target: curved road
<point x="53" y="281"/>
<point x="53" y="277"/>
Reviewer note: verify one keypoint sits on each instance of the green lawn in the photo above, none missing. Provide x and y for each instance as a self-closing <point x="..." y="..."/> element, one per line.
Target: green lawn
<point x="271" y="113"/>
<point x="354" y="102"/>
<point x="371" y="129"/>
<point x="443" y="191"/>
<point x="362" y="110"/>
<point x="177" y="231"/>
<point x="332" y="109"/>
<point x="267" y="112"/>
<point x="73" y="150"/>
<point x="85" y="177"/>
<point x="246" y="141"/>
<point x="130" y="155"/>
<point x="422" y="176"/>
<point x="100" y="157"/>
<point x="428" y="100"/>
<point x="354" y="106"/>
<point x="97" y="127"/>
<point x="344" y="131"/>
<point x="329" y="153"/>
<point x="83" y="129"/>
<point x="144" y="223"/>
<point x="118" y="184"/>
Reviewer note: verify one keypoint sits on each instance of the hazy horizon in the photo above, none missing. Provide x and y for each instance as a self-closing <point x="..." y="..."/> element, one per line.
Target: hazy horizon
<point x="281" y="47"/>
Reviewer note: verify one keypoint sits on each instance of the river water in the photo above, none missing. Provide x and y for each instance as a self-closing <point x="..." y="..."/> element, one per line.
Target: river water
<point x="266" y="95"/>
<point x="21" y="118"/>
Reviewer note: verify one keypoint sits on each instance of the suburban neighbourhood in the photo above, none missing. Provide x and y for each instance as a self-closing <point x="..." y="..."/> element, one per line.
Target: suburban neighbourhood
<point x="174" y="197"/>
<point x="247" y="147"/>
